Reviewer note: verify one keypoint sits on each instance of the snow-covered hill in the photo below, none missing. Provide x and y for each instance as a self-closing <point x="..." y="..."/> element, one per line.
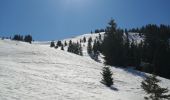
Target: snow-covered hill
<point x="38" y="72"/>
<point x="76" y="39"/>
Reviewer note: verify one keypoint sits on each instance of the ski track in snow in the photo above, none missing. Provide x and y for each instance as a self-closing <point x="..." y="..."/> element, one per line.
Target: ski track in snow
<point x="38" y="72"/>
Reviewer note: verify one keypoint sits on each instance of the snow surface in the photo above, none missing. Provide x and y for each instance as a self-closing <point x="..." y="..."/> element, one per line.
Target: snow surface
<point x="75" y="40"/>
<point x="38" y="72"/>
<point x="135" y="37"/>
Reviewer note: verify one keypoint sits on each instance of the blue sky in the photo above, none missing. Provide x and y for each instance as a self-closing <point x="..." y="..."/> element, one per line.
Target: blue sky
<point x="58" y="19"/>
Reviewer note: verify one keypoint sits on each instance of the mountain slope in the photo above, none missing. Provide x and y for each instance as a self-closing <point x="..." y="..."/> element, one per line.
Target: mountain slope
<point x="38" y="72"/>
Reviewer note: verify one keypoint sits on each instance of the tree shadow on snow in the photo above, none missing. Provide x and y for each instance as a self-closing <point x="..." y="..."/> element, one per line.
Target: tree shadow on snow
<point x="135" y="72"/>
<point x="114" y="88"/>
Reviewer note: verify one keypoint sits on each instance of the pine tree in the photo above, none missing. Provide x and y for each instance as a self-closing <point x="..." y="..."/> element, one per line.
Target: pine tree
<point x="100" y="37"/>
<point x="52" y="44"/>
<point x="59" y="43"/>
<point x="80" y="40"/>
<point x="84" y="39"/>
<point x="62" y="47"/>
<point x="75" y="48"/>
<point x="107" y="76"/>
<point x="17" y="37"/>
<point x="113" y="46"/>
<point x="89" y="46"/>
<point x="95" y="50"/>
<point x="127" y="48"/>
<point x="95" y="47"/>
<point x="65" y="43"/>
<point x="80" y="50"/>
<point x="150" y="86"/>
<point x="28" y="38"/>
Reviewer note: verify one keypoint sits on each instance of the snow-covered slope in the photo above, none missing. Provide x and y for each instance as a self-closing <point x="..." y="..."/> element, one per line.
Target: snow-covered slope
<point x="76" y="39"/>
<point x="84" y="45"/>
<point x="37" y="72"/>
<point x="132" y="37"/>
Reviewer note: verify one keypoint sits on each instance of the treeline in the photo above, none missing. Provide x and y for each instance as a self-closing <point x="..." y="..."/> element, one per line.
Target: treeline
<point x="150" y="55"/>
<point x="26" y="38"/>
<point x="75" y="48"/>
<point x="57" y="45"/>
<point x="72" y="47"/>
<point x="94" y="47"/>
<point x="98" y="30"/>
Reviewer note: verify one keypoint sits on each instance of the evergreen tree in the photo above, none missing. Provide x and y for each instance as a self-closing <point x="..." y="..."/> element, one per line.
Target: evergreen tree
<point x="113" y="45"/>
<point x="17" y="37"/>
<point x="127" y="49"/>
<point x="156" y="46"/>
<point x="95" y="50"/>
<point x="97" y="31"/>
<point x="52" y="44"/>
<point x="80" y="50"/>
<point x="107" y="76"/>
<point x="89" y="46"/>
<point x="150" y="86"/>
<point x="102" y="30"/>
<point x="28" y="38"/>
<point x="75" y="48"/>
<point x="62" y="47"/>
<point x="100" y="37"/>
<point x="80" y="41"/>
<point x="84" y="39"/>
<point x="65" y="43"/>
<point x="59" y="43"/>
<point x="70" y="42"/>
<point x="95" y="47"/>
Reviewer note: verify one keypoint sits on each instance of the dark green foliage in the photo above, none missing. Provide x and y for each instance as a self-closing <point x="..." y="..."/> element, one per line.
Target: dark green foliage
<point x="59" y="43"/>
<point x="153" y="51"/>
<point x="134" y="54"/>
<point x="89" y="46"/>
<point x="18" y="37"/>
<point x="80" y="50"/>
<point x="102" y="30"/>
<point x="52" y="44"/>
<point x="62" y="47"/>
<point x="151" y="87"/>
<point x="100" y="37"/>
<point x="75" y="48"/>
<point x="84" y="39"/>
<point x="80" y="40"/>
<point x="65" y="43"/>
<point x="107" y="76"/>
<point x="99" y="30"/>
<point x="28" y="38"/>
<point x="96" y="49"/>
<point x="113" y="45"/>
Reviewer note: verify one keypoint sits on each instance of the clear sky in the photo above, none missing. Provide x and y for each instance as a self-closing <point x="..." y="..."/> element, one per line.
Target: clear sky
<point x="58" y="19"/>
